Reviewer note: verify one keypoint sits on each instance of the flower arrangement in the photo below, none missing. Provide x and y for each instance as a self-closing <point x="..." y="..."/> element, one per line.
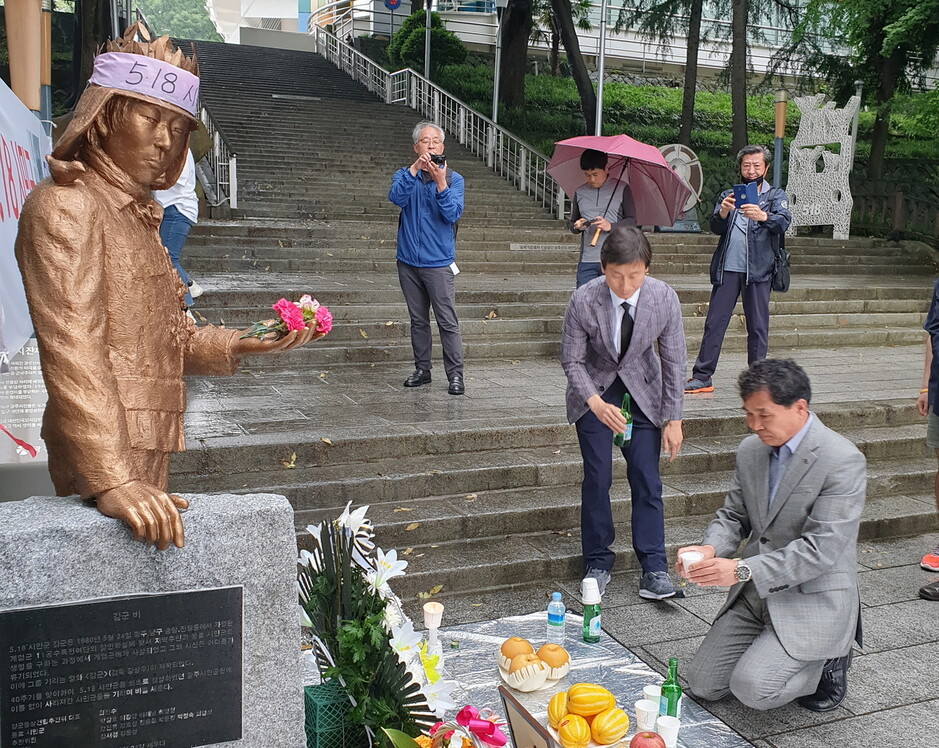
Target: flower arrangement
<point x="361" y="636"/>
<point x="469" y="729"/>
<point x="293" y="315"/>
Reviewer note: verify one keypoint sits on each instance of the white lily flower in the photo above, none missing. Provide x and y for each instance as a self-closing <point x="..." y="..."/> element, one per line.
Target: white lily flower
<point x="406" y="642"/>
<point x="438" y="696"/>
<point x="387" y="566"/>
<point x="316" y="531"/>
<point x="353" y="520"/>
<point x="309" y="559"/>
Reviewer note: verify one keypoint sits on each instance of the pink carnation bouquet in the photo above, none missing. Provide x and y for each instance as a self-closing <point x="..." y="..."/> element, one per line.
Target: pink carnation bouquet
<point x="293" y="315"/>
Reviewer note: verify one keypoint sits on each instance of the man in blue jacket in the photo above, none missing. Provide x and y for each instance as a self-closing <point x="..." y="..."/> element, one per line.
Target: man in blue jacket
<point x="431" y="200"/>
<point x="742" y="265"/>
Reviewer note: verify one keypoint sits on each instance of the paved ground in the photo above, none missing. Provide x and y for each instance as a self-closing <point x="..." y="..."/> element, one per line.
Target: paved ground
<point x="891" y="699"/>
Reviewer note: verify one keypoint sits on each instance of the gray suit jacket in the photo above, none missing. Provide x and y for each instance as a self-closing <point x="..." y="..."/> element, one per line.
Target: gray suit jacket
<point x="802" y="549"/>
<point x="590" y="356"/>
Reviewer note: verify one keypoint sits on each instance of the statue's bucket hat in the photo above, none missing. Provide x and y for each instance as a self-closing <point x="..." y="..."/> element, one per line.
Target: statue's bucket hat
<point x="152" y="72"/>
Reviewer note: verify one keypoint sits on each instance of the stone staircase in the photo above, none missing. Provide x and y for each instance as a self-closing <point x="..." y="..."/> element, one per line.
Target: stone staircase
<point x="484" y="490"/>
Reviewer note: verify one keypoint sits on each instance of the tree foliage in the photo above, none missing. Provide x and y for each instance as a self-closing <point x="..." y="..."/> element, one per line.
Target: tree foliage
<point x="891" y="44"/>
<point x="564" y="15"/>
<point x="662" y="21"/>
<point x="545" y="26"/>
<point x="183" y="19"/>
<point x="406" y="48"/>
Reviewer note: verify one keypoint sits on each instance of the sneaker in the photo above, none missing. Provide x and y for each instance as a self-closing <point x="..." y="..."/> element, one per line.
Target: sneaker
<point x="930" y="561"/>
<point x="601" y="575"/>
<point x="695" y="385"/>
<point x="195" y="290"/>
<point x="656" y="585"/>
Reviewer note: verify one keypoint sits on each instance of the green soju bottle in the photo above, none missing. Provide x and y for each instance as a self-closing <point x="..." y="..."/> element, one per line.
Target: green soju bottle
<point x="621" y="440"/>
<point x="590" y="596"/>
<point x="670" y="701"/>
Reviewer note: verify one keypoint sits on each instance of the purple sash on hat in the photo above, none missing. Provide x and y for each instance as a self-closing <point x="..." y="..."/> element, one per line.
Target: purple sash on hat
<point x="149" y="77"/>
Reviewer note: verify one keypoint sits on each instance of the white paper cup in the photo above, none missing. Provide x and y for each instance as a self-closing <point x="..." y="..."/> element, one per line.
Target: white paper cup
<point x="433" y="614"/>
<point x="652" y="693"/>
<point x="646" y="713"/>
<point x="690" y="558"/>
<point x="667" y="727"/>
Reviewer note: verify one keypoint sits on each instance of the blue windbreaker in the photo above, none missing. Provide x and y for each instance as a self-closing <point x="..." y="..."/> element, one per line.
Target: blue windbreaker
<point x="426" y="224"/>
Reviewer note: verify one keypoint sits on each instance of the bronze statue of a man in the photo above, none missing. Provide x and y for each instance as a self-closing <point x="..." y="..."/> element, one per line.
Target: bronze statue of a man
<point x="107" y="306"/>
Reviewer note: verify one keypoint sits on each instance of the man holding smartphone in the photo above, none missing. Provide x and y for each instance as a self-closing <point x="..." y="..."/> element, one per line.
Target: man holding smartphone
<point x="430" y="196"/>
<point x="742" y="264"/>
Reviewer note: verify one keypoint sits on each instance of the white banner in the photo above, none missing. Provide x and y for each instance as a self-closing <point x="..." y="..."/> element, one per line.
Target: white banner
<point x="23" y="148"/>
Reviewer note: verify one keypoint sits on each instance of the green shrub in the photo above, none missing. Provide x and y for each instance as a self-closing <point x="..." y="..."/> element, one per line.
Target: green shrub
<point x="406" y="48"/>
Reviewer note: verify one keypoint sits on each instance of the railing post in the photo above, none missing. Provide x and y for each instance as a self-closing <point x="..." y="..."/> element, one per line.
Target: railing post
<point x="462" y="133"/>
<point x="389" y="89"/>
<point x="436" y="117"/>
<point x="559" y="197"/>
<point x="232" y="183"/>
<point x="523" y="170"/>
<point x="413" y="91"/>
<point x="490" y="155"/>
<point x="899" y="212"/>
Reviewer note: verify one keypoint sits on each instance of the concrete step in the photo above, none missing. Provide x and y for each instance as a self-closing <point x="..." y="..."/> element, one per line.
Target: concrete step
<point x="468" y="564"/>
<point x="529" y="430"/>
<point x="401" y="478"/>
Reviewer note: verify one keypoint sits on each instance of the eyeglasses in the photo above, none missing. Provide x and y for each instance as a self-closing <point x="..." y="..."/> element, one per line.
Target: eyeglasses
<point x="428" y="141"/>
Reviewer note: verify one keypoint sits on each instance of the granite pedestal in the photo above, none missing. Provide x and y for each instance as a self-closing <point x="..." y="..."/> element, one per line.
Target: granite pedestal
<point x="57" y="550"/>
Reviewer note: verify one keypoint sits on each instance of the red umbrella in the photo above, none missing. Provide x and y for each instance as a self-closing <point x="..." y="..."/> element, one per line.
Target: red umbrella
<point x="659" y="194"/>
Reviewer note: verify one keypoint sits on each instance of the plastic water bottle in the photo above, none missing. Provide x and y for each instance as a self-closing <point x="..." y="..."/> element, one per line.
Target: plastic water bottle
<point x="556" y="613"/>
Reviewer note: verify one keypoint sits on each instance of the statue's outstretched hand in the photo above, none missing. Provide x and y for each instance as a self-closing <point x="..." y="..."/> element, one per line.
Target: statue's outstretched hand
<point x="263" y="346"/>
<point x="152" y="514"/>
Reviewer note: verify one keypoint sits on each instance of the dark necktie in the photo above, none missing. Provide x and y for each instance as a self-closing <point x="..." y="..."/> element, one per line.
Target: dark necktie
<point x="626" y="331"/>
<point x="774" y="471"/>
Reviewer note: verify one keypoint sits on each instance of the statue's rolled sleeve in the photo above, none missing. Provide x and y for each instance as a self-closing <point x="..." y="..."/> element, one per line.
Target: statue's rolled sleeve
<point x="208" y="352"/>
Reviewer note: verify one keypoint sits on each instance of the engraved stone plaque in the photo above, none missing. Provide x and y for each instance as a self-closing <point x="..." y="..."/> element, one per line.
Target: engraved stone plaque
<point x="142" y="671"/>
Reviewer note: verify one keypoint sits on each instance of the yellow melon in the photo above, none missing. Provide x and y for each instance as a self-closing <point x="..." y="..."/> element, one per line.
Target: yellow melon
<point x="609" y="726"/>
<point x="574" y="732"/>
<point x="587" y="699"/>
<point x="557" y="709"/>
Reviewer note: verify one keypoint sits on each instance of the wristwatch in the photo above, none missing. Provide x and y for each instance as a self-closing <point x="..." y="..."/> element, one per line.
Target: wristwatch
<point x="742" y="571"/>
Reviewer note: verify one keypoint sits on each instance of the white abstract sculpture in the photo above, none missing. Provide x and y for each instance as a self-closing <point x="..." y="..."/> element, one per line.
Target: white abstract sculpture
<point x="818" y="188"/>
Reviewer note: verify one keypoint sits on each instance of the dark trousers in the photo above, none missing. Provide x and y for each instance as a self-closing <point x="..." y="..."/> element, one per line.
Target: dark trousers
<point x="642" y="471"/>
<point x="587" y="271"/>
<point x="425" y="288"/>
<point x="755" y="309"/>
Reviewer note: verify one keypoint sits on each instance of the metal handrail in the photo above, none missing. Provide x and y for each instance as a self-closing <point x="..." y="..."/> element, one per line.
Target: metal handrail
<point x="222" y="158"/>
<point x="221" y="155"/>
<point x="518" y="163"/>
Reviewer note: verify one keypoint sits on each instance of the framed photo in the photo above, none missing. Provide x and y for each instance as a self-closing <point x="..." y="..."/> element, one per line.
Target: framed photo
<point x="525" y="730"/>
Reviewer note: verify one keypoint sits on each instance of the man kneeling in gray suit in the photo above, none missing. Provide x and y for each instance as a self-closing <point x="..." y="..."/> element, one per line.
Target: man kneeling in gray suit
<point x="786" y="629"/>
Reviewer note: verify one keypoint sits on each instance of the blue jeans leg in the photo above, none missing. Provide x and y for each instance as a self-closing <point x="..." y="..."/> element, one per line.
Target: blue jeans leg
<point x="174" y="230"/>
<point x="587" y="271"/>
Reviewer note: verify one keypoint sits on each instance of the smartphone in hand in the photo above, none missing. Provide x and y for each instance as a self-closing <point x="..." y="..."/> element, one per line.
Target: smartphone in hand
<point x="745" y="194"/>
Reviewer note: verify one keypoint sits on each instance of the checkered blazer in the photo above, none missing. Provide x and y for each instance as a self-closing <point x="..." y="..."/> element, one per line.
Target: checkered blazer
<point x="802" y="548"/>
<point x="653" y="368"/>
